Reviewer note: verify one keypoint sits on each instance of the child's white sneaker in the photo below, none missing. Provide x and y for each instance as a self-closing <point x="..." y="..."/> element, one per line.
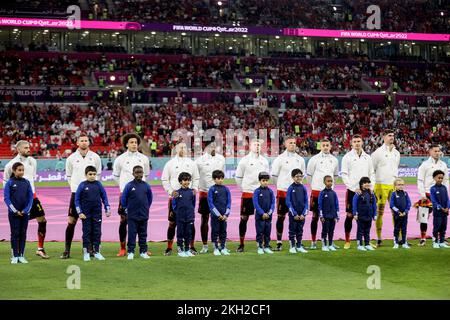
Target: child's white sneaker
<point x="436" y="245"/>
<point x="182" y="254"/>
<point x="443" y="245"/>
<point x="225" y="252"/>
<point x="130" y="256"/>
<point x="267" y="250"/>
<point x="14" y="260"/>
<point x="396" y="246"/>
<point x="204" y="249"/>
<point x="362" y="248"/>
<point x="369" y="248"/>
<point x="99" y="256"/>
<point x="301" y="249"/>
<point x="260" y="250"/>
<point x="188" y="253"/>
<point x="144" y="255"/>
<point x="292" y="250"/>
<point x="217" y="252"/>
<point x="405" y="246"/>
<point x="332" y="248"/>
<point x="325" y="248"/>
<point x="313" y="245"/>
<point x="86" y="256"/>
<point x="22" y="259"/>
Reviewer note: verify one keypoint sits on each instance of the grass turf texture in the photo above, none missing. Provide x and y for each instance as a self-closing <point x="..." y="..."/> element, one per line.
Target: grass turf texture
<point x="418" y="273"/>
<point x="408" y="180"/>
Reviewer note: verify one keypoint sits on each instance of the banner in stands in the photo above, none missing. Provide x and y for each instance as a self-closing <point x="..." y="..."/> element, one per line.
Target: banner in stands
<point x="166" y="27"/>
<point x="67" y="23"/>
<point x="114" y="78"/>
<point x="365" y="34"/>
<point x="256" y="78"/>
<point x="382" y="82"/>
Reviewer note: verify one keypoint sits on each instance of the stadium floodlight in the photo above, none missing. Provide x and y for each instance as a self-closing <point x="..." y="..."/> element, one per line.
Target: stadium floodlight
<point x="112" y="78"/>
<point x="376" y="83"/>
<point x="219" y="3"/>
<point x="334" y="8"/>
<point x="442" y="13"/>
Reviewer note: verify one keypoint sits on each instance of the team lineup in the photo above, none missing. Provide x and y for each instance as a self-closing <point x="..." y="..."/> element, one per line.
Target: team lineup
<point x="371" y="182"/>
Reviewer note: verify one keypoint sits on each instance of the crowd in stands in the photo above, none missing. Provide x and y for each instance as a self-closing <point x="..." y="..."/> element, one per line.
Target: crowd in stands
<point x="396" y="15"/>
<point x="52" y="129"/>
<point x="221" y="72"/>
<point x="416" y="128"/>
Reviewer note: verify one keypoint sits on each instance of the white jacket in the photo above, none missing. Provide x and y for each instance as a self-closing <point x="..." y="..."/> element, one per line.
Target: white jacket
<point x="206" y="164"/>
<point x="76" y="164"/>
<point x="319" y="166"/>
<point x="425" y="175"/>
<point x="124" y="164"/>
<point x="172" y="170"/>
<point x="282" y="168"/>
<point x="385" y="164"/>
<point x="30" y="167"/>
<point x="248" y="170"/>
<point x="354" y="167"/>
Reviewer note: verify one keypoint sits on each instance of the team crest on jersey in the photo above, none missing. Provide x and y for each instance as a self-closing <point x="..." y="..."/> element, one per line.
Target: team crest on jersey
<point x="134" y="189"/>
<point x="87" y="188"/>
<point x="325" y="196"/>
<point x="15" y="186"/>
<point x="216" y="191"/>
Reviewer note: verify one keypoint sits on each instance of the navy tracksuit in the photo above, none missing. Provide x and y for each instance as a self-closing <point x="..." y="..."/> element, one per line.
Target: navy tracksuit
<point x="365" y="208"/>
<point x="328" y="210"/>
<point x="136" y="199"/>
<point x="400" y="202"/>
<point x="18" y="196"/>
<point x="439" y="198"/>
<point x="184" y="208"/>
<point x="264" y="202"/>
<point x="219" y="201"/>
<point x="297" y="203"/>
<point x="88" y="200"/>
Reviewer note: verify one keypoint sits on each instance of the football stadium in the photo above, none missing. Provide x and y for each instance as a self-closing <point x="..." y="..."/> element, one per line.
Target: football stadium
<point x="233" y="149"/>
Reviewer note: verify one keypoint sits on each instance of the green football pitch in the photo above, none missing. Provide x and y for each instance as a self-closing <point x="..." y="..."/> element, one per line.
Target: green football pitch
<point x="417" y="273"/>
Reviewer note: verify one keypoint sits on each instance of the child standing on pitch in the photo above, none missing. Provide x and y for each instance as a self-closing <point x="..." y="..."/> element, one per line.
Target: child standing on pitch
<point x="400" y="205"/>
<point x="264" y="203"/>
<point x="219" y="201"/>
<point x="183" y="206"/>
<point x="439" y="198"/>
<point x="364" y="211"/>
<point x="88" y="202"/>
<point x="297" y="203"/>
<point x="18" y="197"/>
<point x="328" y="213"/>
<point x="136" y="200"/>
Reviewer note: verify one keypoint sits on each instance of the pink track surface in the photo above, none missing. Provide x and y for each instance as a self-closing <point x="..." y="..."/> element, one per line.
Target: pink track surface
<point x="55" y="201"/>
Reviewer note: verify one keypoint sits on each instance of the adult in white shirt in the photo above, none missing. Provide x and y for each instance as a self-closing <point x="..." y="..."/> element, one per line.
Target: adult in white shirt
<point x="355" y="165"/>
<point x="36" y="212"/>
<point x="425" y="181"/>
<point x="247" y="172"/>
<point x="76" y="165"/>
<point x="282" y="168"/>
<point x="386" y="160"/>
<point x="169" y="178"/>
<point x="321" y="165"/>
<point x="209" y="162"/>
<point x="123" y="173"/>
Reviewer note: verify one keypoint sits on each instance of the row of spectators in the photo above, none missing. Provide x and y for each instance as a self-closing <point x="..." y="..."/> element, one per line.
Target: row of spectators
<point x="53" y="129"/>
<point x="396" y="15"/>
<point x="221" y="72"/>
